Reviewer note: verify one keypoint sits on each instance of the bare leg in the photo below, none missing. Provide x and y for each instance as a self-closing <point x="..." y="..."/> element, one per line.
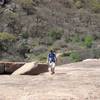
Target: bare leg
<point x="53" y="68"/>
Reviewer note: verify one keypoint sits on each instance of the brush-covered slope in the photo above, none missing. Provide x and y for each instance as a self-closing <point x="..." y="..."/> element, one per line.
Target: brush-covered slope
<point x="27" y="26"/>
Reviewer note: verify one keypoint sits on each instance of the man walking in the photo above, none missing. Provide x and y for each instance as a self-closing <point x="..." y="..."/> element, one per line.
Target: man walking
<point x="52" y="61"/>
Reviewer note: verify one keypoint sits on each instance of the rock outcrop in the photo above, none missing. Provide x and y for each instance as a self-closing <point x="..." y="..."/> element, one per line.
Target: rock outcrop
<point x="10" y="67"/>
<point x="32" y="68"/>
<point x="23" y="68"/>
<point x="2" y="68"/>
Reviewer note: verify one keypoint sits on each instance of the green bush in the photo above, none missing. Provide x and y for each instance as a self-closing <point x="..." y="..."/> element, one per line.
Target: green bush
<point x="6" y="41"/>
<point x="27" y="6"/>
<point x="59" y="44"/>
<point x="49" y="41"/>
<point x="96" y="36"/>
<point x="55" y="35"/>
<point x="10" y="15"/>
<point x="46" y="41"/>
<point x="42" y="57"/>
<point x="11" y="58"/>
<point x="78" y="4"/>
<point x="24" y="35"/>
<point x="7" y="37"/>
<point x="95" y="5"/>
<point x="65" y="54"/>
<point x="96" y="52"/>
<point x="75" y="56"/>
<point x="23" y="47"/>
<point x="37" y="50"/>
<point x="25" y="2"/>
<point x="88" y="41"/>
<point x="73" y="38"/>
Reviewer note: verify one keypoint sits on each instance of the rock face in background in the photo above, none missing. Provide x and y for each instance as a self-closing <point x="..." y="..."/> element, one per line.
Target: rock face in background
<point x="28" y="20"/>
<point x="37" y="17"/>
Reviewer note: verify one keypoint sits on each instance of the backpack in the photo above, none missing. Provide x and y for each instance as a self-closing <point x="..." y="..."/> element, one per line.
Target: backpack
<point x="52" y="57"/>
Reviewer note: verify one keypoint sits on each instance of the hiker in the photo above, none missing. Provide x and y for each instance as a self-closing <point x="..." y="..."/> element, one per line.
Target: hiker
<point x="52" y="61"/>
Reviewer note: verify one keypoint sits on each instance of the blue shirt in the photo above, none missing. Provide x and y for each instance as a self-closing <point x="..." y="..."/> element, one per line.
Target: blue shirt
<point x="52" y="57"/>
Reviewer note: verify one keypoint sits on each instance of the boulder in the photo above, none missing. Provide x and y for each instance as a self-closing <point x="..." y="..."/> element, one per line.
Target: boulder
<point x="32" y="68"/>
<point x="10" y="67"/>
<point x="2" y="68"/>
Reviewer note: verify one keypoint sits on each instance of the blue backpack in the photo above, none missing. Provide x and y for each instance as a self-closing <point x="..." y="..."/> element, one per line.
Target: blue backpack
<point x="52" y="57"/>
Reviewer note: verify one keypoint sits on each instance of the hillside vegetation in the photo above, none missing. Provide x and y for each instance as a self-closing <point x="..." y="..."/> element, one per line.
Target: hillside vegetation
<point x="29" y="28"/>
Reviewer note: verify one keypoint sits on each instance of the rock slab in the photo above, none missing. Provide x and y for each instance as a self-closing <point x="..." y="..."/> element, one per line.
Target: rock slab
<point x="32" y="68"/>
<point x="10" y="67"/>
<point x="2" y="68"/>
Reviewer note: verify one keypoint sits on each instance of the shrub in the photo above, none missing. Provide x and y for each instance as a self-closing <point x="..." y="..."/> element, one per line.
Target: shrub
<point x="46" y="41"/>
<point x="12" y="58"/>
<point x="75" y="56"/>
<point x="39" y="50"/>
<point x="65" y="54"/>
<point x="95" y="5"/>
<point x="6" y="41"/>
<point x="96" y="52"/>
<point x="59" y="44"/>
<point x="9" y="15"/>
<point x="27" y="6"/>
<point x="86" y="53"/>
<point x="27" y="2"/>
<point x="78" y="4"/>
<point x="88" y="40"/>
<point x="55" y="35"/>
<point x="24" y="35"/>
<point x="96" y="36"/>
<point x="23" y="47"/>
<point x="73" y="38"/>
<point x="42" y="57"/>
<point x="7" y="37"/>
